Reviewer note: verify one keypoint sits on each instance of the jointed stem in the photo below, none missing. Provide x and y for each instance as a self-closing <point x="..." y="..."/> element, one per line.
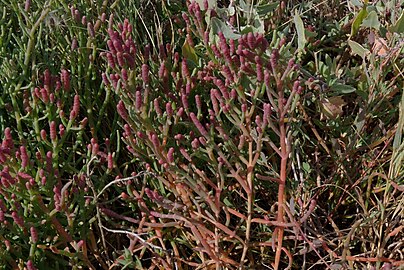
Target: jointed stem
<point x="282" y="110"/>
<point x="281" y="192"/>
<point x="250" y="199"/>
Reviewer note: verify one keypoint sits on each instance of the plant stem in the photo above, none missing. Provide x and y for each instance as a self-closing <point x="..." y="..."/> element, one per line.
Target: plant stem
<point x="250" y="199"/>
<point x="282" y="180"/>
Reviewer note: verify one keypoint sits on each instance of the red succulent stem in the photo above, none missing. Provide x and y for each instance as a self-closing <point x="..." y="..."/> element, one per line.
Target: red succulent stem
<point x="282" y="180"/>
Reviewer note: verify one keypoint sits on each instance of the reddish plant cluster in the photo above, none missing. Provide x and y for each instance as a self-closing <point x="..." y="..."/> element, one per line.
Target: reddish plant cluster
<point x="207" y="130"/>
<point x="34" y="192"/>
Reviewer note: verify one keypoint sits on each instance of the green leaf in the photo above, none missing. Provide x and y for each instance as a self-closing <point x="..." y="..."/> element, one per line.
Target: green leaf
<point x="372" y="21"/>
<point x="356" y="3"/>
<point x="358" y="21"/>
<point x="189" y="52"/>
<point x="306" y="167"/>
<point x="358" y="49"/>
<point x="243" y="5"/>
<point x="310" y="34"/>
<point x="398" y="27"/>
<point x="301" y="37"/>
<point x="219" y="26"/>
<point x="264" y="10"/>
<point x="258" y="25"/>
<point x="247" y="29"/>
<point x="342" y="88"/>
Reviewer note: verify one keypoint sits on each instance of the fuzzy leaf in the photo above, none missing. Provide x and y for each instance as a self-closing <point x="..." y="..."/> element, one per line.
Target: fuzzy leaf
<point x="244" y="6"/>
<point x="219" y="26"/>
<point x="358" y="49"/>
<point x="301" y="37"/>
<point x="342" y="88"/>
<point x="356" y="3"/>
<point x="372" y="21"/>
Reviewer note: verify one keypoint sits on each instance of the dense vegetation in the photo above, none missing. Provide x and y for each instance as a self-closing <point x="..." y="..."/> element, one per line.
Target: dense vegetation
<point x="210" y="134"/>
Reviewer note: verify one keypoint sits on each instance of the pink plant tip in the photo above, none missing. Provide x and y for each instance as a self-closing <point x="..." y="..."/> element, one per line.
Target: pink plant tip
<point x="30" y="265"/>
<point x="34" y="235"/>
<point x="52" y="129"/>
<point x="198" y="124"/>
<point x="122" y="110"/>
<point x="170" y="155"/>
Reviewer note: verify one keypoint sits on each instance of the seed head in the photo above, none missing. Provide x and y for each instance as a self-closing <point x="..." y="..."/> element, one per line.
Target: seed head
<point x="17" y="219"/>
<point x="27" y="5"/>
<point x="110" y="161"/>
<point x="52" y="130"/>
<point x="122" y="110"/>
<point x="198" y="124"/>
<point x="251" y="40"/>
<point x="206" y="37"/>
<point x="260" y="75"/>
<point x="111" y="47"/>
<point x="95" y="148"/>
<point x="34" y="235"/>
<point x="124" y="74"/>
<point x="155" y="141"/>
<point x="76" y="107"/>
<point x="90" y="29"/>
<point x="169" y="109"/>
<point x="222" y="88"/>
<point x="185" y="154"/>
<point x="185" y="70"/>
<point x="145" y="73"/>
<point x="138" y="101"/>
<point x="111" y="60"/>
<point x="8" y="139"/>
<point x="157" y="107"/>
<point x="184" y="100"/>
<point x="45" y="95"/>
<point x="84" y="20"/>
<point x="61" y="130"/>
<point x="117" y="45"/>
<point x="119" y="57"/>
<point x="170" y="155"/>
<point x="198" y="102"/>
<point x="24" y="157"/>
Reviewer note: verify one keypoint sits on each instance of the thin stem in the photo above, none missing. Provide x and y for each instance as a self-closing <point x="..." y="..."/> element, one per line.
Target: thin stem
<point x="281" y="192"/>
<point x="250" y="199"/>
<point x="137" y="236"/>
<point x="282" y="180"/>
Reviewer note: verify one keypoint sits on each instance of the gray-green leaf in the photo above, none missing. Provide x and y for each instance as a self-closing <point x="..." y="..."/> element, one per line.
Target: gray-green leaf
<point x="372" y="21"/>
<point x="264" y="10"/>
<point x="301" y="37"/>
<point x="342" y="88"/>
<point x="398" y="27"/>
<point x="219" y="26"/>
<point x="358" y="49"/>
